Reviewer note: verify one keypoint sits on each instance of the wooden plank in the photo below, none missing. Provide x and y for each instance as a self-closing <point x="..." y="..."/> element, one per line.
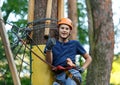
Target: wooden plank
<point x="60" y="9"/>
<point x="48" y="15"/>
<point x="41" y="73"/>
<point x="31" y="11"/>
<point x="30" y="15"/>
<point x="8" y="52"/>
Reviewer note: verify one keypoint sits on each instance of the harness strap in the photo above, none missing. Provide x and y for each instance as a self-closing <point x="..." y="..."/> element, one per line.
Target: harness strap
<point x="61" y="68"/>
<point x="59" y="81"/>
<point x="69" y="74"/>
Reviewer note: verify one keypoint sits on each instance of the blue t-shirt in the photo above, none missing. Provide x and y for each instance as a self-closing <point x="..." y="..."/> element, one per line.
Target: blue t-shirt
<point x="62" y="51"/>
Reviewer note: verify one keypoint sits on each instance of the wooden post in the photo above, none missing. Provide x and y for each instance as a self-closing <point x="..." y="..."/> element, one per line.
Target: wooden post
<point x="48" y="15"/>
<point x="8" y="52"/>
<point x="31" y="11"/>
<point x="31" y="14"/>
<point x="60" y="9"/>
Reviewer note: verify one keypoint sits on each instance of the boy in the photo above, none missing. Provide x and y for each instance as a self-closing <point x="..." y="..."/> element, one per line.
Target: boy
<point x="61" y="53"/>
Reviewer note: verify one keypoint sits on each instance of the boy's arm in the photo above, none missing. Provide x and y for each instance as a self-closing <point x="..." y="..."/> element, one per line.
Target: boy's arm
<point x="48" y="49"/>
<point x="49" y="57"/>
<point x="88" y="60"/>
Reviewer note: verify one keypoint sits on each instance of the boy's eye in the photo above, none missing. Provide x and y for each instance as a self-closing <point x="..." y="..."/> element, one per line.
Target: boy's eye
<point x="67" y="28"/>
<point x="64" y="28"/>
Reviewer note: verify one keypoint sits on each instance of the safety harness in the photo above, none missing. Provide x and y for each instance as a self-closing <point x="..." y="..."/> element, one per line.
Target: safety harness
<point x="68" y="74"/>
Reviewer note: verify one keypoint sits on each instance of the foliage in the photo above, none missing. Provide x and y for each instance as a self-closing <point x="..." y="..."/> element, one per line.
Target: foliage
<point x="2" y="54"/>
<point x="82" y="32"/>
<point x="115" y="78"/>
<point x="25" y="81"/>
<point x="82" y="28"/>
<point x="81" y="61"/>
<point x="19" y="9"/>
<point x="8" y="80"/>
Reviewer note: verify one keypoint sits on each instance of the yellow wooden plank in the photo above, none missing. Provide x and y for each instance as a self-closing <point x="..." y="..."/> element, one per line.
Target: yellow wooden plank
<point x="42" y="74"/>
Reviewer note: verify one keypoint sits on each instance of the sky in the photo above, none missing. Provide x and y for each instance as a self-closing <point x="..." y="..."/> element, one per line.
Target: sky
<point x="116" y="19"/>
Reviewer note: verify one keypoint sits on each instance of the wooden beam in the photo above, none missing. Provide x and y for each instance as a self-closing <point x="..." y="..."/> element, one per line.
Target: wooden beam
<point x="48" y="15"/>
<point x="31" y="11"/>
<point x="8" y="52"/>
<point x="60" y="9"/>
<point x="30" y="15"/>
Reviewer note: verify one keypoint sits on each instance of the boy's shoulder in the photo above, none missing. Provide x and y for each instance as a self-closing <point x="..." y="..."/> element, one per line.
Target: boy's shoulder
<point x="74" y="41"/>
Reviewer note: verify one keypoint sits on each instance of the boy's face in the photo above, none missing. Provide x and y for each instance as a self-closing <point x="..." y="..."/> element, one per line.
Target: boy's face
<point x="64" y="31"/>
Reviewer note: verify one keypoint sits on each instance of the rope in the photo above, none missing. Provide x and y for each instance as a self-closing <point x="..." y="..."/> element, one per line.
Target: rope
<point x="36" y="54"/>
<point x="33" y="51"/>
<point x="36" y="45"/>
<point x="22" y="61"/>
<point x="23" y="42"/>
<point x="27" y="34"/>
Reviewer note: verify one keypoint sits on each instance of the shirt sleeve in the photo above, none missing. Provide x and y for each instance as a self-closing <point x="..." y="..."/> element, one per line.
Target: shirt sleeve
<point x="80" y="49"/>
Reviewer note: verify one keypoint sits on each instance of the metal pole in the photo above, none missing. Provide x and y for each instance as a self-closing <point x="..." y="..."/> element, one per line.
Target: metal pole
<point x="8" y="52"/>
<point x="30" y="19"/>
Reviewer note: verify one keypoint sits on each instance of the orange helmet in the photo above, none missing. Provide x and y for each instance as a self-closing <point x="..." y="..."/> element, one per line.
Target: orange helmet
<point x="66" y="21"/>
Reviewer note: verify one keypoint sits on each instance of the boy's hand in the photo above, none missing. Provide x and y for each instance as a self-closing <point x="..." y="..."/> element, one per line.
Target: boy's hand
<point x="50" y="43"/>
<point x="81" y="70"/>
<point x="69" y="62"/>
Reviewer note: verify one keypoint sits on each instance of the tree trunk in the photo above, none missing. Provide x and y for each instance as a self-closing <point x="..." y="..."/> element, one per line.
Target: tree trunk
<point x="101" y="36"/>
<point x="39" y="13"/>
<point x="41" y="72"/>
<point x="72" y="14"/>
